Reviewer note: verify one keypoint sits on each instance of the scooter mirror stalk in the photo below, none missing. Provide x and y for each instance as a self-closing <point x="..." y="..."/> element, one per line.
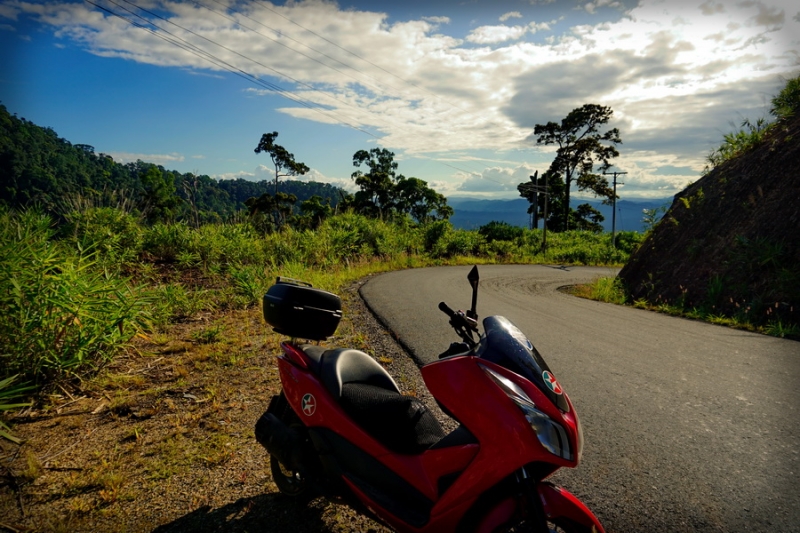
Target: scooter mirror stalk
<point x="473" y="278"/>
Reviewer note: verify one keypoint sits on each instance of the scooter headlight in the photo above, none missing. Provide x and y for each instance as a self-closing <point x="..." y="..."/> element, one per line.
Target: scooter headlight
<point x="550" y="433"/>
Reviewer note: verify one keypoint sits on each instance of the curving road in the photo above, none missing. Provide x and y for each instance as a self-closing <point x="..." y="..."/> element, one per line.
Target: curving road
<point x="688" y="426"/>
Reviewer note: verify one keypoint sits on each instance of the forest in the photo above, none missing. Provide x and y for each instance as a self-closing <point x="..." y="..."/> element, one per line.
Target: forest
<point x="41" y="169"/>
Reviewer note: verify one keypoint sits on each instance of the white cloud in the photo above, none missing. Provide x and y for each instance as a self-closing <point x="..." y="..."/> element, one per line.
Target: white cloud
<point x="591" y="7"/>
<point x="710" y="7"/>
<point x="534" y="27"/>
<point x="437" y="20"/>
<point x="158" y="159"/>
<point x="495" y="179"/>
<point x="496" y="34"/>
<point x="9" y="11"/>
<point x="510" y="14"/>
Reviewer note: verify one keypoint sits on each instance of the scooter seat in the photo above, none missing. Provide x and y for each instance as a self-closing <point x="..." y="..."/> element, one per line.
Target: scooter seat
<point x="401" y="423"/>
<point x="346" y="365"/>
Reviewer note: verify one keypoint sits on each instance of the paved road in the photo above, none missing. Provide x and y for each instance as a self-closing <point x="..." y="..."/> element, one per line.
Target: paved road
<point x="688" y="426"/>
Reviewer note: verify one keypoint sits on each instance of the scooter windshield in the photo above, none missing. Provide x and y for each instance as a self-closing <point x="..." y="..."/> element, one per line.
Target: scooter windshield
<point x="504" y="344"/>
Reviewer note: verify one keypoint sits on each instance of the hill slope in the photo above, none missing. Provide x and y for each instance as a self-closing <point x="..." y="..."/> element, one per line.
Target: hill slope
<point x="730" y="243"/>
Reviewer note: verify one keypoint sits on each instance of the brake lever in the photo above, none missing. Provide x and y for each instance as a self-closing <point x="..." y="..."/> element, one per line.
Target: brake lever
<point x="464" y="326"/>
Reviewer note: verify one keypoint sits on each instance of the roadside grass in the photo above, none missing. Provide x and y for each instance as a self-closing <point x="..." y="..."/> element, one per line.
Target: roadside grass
<point x="611" y="290"/>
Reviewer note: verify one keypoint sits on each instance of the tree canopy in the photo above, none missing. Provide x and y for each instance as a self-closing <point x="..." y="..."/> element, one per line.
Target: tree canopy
<point x="39" y="168"/>
<point x="283" y="161"/>
<point x="385" y="193"/>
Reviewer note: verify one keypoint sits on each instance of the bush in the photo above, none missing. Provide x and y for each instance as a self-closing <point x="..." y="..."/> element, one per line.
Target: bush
<point x="165" y="242"/>
<point x="113" y="233"/>
<point x="501" y="231"/>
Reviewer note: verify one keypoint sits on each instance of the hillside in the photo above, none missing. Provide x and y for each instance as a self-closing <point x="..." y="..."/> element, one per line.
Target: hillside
<point x="730" y="243"/>
<point x="37" y="167"/>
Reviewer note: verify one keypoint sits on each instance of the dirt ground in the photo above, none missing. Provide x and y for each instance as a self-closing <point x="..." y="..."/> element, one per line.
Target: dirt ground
<point x="162" y="440"/>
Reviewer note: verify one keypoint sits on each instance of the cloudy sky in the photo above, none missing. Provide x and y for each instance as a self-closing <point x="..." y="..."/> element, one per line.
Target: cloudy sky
<point x="453" y="88"/>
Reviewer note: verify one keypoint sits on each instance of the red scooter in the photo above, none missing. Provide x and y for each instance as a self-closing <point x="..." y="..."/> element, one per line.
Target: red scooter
<point x="342" y="429"/>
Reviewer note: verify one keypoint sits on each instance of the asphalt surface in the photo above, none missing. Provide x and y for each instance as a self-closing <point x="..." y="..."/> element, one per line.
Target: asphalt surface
<point x="688" y="426"/>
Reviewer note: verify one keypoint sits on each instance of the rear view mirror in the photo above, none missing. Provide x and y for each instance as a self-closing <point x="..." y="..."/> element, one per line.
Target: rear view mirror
<point x="474" y="279"/>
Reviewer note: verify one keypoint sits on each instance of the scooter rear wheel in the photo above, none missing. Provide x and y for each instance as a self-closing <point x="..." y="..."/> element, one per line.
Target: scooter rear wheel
<point x="289" y="482"/>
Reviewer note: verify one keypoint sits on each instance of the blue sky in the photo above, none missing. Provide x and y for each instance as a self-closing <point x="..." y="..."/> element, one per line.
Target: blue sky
<point x="453" y="88"/>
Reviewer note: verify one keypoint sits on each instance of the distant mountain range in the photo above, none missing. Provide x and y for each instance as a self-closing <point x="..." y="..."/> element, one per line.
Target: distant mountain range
<point x="472" y="214"/>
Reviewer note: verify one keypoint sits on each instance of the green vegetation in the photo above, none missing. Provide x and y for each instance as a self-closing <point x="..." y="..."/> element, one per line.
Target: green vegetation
<point x="41" y="169"/>
<point x="728" y="252"/>
<point x="63" y="310"/>
<point x="612" y="290"/>
<point x="8" y="392"/>
<point x="751" y="134"/>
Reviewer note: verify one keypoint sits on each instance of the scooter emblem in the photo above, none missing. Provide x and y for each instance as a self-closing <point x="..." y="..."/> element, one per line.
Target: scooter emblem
<point x="309" y="404"/>
<point x="552" y="384"/>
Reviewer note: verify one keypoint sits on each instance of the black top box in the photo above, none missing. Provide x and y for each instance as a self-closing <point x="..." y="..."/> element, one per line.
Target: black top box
<point x="298" y="310"/>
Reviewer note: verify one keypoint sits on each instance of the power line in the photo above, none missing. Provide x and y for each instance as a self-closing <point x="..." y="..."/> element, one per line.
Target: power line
<point x="276" y="41"/>
<point x="230" y="67"/>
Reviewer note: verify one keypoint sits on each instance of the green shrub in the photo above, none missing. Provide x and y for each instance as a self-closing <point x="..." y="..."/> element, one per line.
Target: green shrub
<point x="115" y="234"/>
<point x="165" y="242"/>
<point x="8" y="393"/>
<point x="501" y="231"/>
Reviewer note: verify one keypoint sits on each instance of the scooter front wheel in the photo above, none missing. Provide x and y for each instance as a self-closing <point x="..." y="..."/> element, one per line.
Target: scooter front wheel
<point x="507" y="517"/>
<point x="552" y="527"/>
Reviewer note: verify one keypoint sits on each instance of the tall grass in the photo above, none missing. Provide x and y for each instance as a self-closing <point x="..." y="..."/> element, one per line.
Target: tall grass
<point x="8" y="392"/>
<point x="63" y="313"/>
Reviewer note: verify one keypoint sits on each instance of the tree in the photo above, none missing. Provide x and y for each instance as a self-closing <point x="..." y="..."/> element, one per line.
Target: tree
<point x="269" y="212"/>
<point x="580" y="147"/>
<point x="377" y="186"/>
<point x="414" y="197"/>
<point x="314" y="211"/>
<point x="284" y="162"/>
<point x="159" y="196"/>
<point x="552" y="184"/>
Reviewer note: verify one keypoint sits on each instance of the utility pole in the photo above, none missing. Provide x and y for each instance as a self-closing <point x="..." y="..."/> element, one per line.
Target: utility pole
<point x="535" y="191"/>
<point x="614" y="208"/>
<point x="546" y="196"/>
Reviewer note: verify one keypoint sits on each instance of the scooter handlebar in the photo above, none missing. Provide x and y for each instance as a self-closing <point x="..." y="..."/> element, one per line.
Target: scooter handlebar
<point x="444" y="308"/>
